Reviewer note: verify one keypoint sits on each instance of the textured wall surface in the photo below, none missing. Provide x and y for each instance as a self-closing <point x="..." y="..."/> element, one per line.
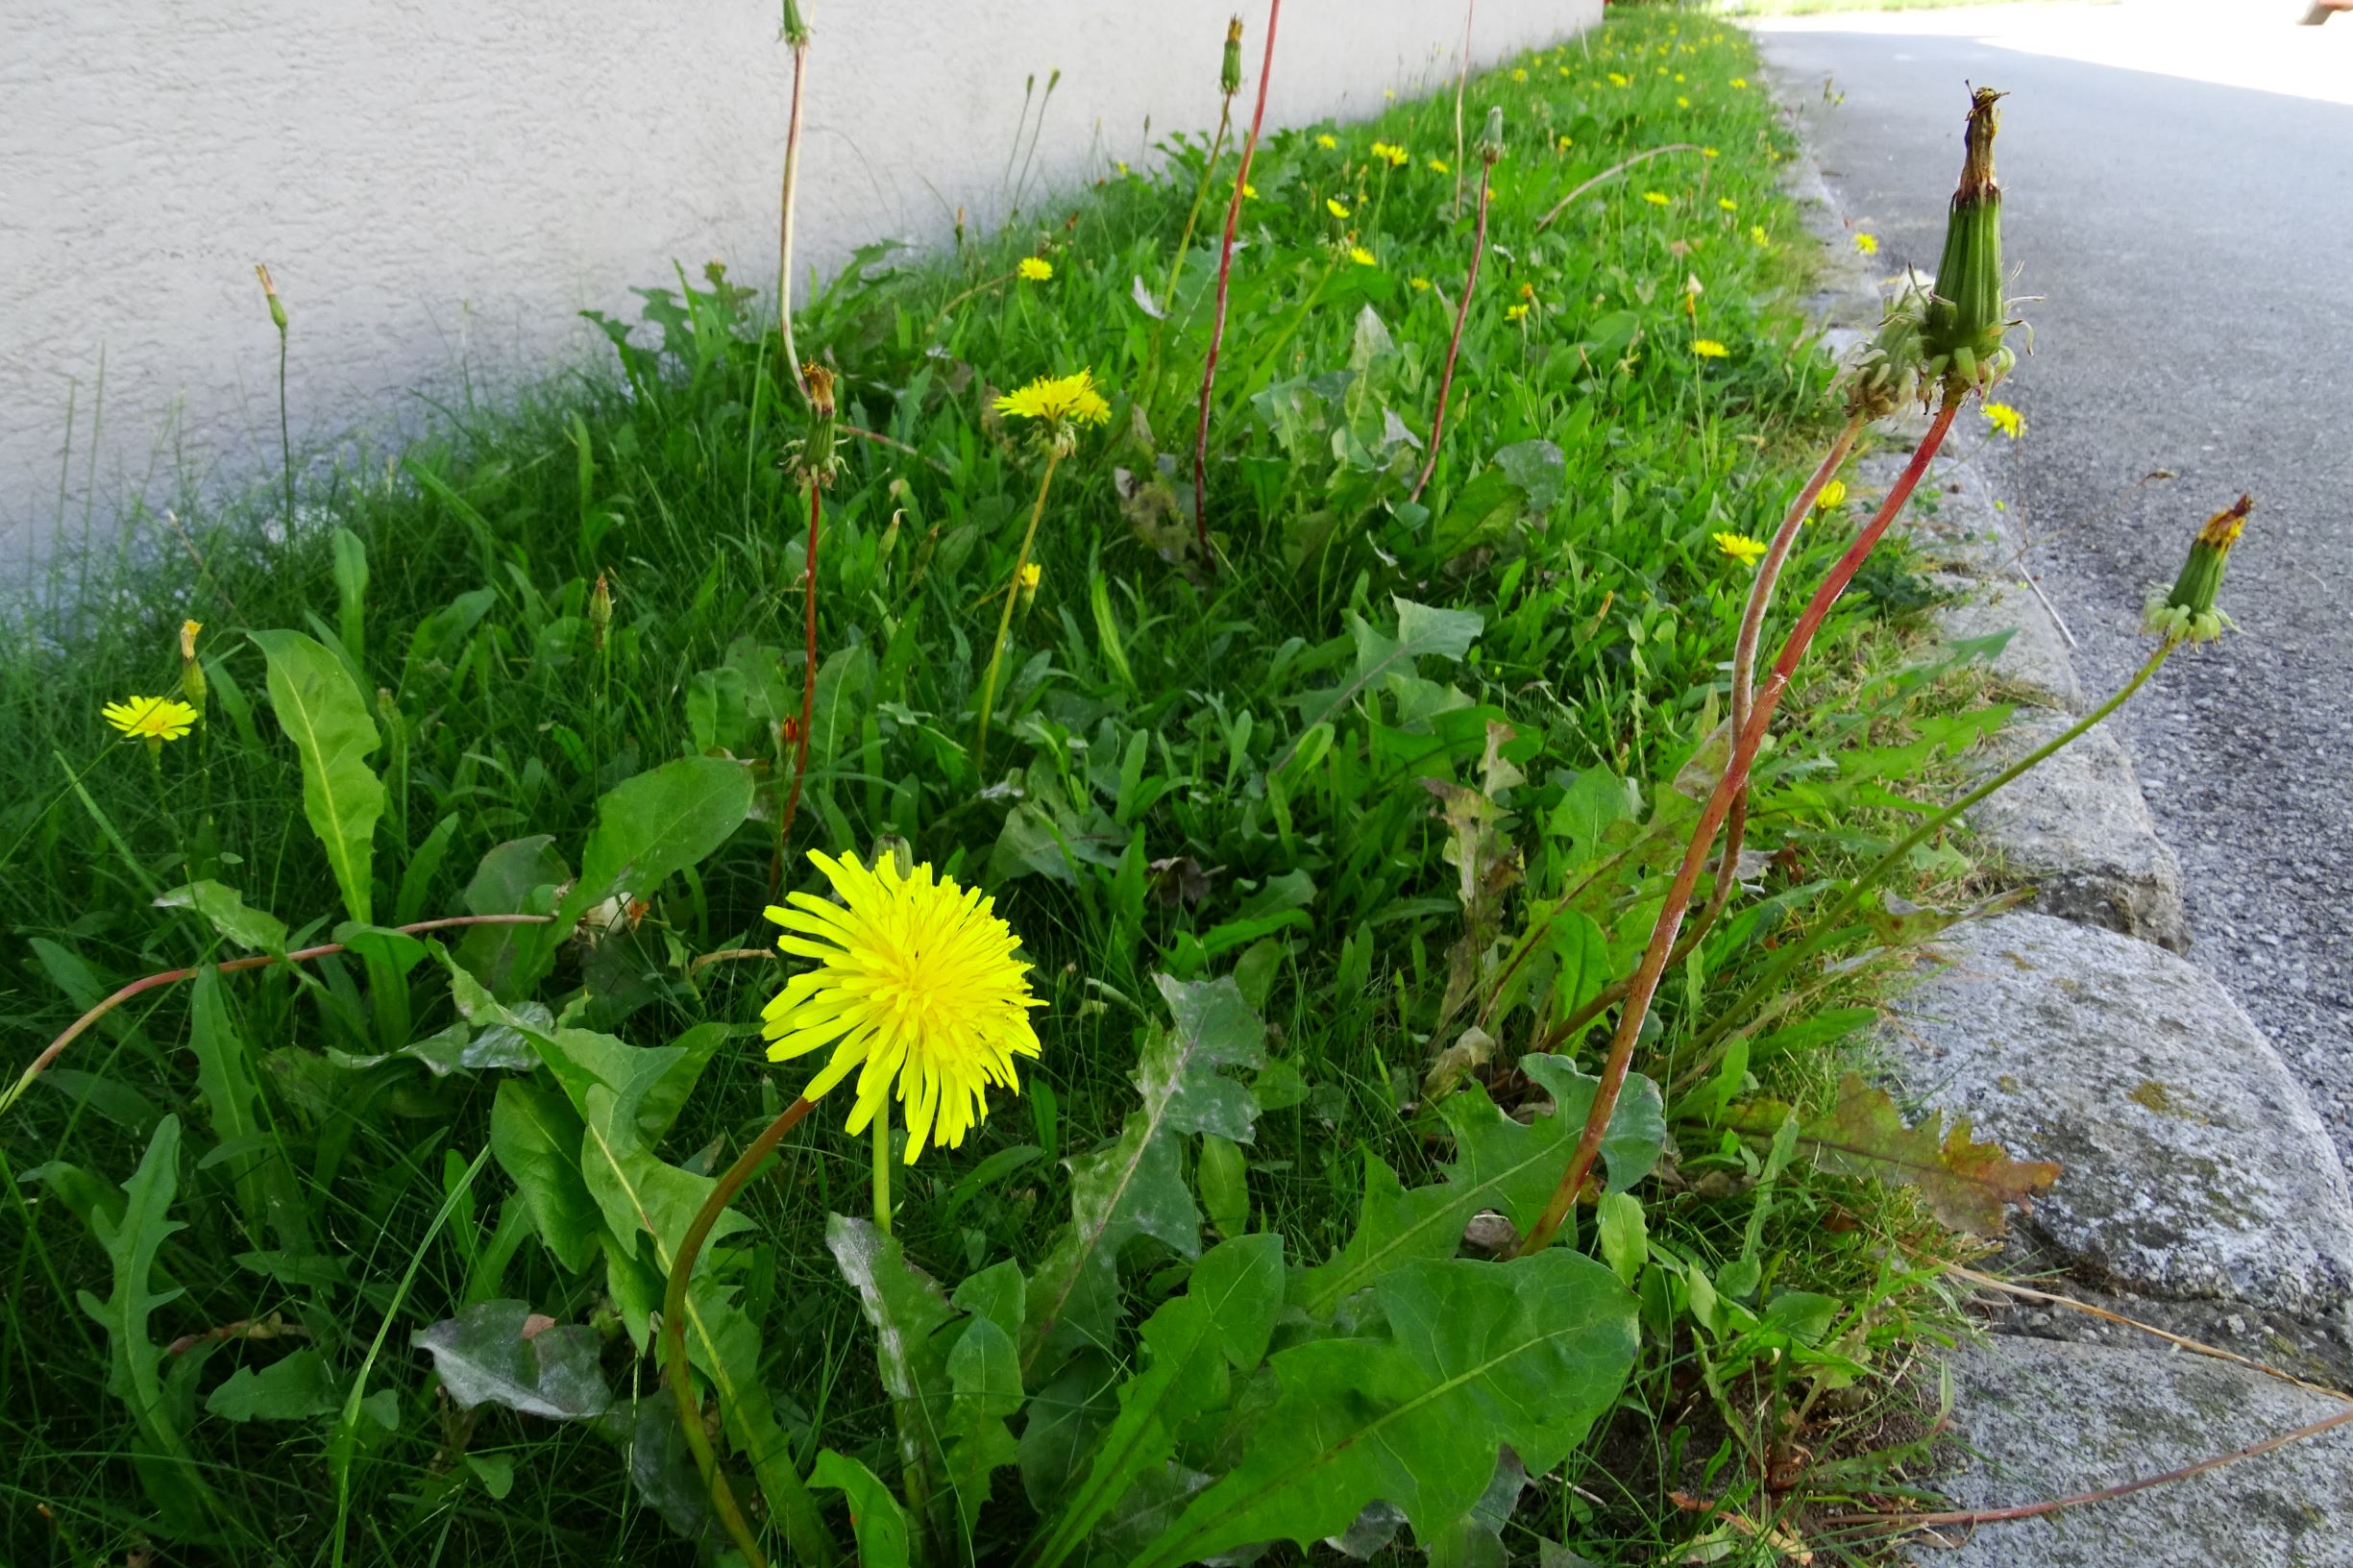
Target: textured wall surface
<point x="438" y="185"/>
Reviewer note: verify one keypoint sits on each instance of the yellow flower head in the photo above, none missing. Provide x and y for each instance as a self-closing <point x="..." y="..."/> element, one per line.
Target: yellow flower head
<point x="1738" y="547"/>
<point x="1563" y="144"/>
<point x="1740" y="81"/>
<point x="1518" y="74"/>
<point x="187" y="638"/>
<point x="1728" y="204"/>
<point x="1682" y="102"/>
<point x="1327" y="141"/>
<point x="1617" y="81"/>
<point x="153" y="718"/>
<point x="1333" y="207"/>
<point x="1517" y="312"/>
<point x="1389" y="153"/>
<point x="1758" y="234"/>
<point x="1036" y="268"/>
<point x="1832" y="496"/>
<point x="1866" y="244"/>
<point x="1120" y="164"/>
<point x="1437" y="165"/>
<point x="1031" y="574"/>
<point x="914" y="983"/>
<point x="1250" y="192"/>
<point x="1707" y="348"/>
<point x="1656" y="198"/>
<point x="1361" y="256"/>
<point x="1058" y="398"/>
<point x="1421" y="285"/>
<point x="2005" y="419"/>
<point x="1709" y="151"/>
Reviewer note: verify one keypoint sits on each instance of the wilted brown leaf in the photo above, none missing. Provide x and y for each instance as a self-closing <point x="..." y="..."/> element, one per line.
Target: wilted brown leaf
<point x="1968" y="1183"/>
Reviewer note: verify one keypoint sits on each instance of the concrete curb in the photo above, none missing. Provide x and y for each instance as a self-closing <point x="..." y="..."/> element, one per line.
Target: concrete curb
<point x="2169" y="1112"/>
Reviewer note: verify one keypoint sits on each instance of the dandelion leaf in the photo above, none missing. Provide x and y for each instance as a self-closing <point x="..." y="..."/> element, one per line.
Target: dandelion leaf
<point x="1967" y="1184"/>
<point x="324" y="714"/>
<point x="500" y="1352"/>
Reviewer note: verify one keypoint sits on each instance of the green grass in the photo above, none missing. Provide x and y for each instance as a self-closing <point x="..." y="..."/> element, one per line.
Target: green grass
<point x="1589" y="459"/>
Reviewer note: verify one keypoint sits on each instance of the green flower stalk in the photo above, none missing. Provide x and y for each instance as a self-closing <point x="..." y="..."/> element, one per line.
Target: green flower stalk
<point x="1961" y="328"/>
<point x="2188" y="613"/>
<point x="285" y="437"/>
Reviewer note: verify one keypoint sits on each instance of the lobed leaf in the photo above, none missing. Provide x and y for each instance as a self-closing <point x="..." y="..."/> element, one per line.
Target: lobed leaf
<point x="1967" y="1184"/>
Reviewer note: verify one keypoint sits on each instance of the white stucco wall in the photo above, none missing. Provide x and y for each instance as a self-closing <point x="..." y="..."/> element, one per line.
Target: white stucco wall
<point x="438" y="185"/>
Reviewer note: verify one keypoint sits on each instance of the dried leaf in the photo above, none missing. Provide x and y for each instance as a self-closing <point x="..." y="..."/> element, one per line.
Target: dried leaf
<point x="1968" y="1183"/>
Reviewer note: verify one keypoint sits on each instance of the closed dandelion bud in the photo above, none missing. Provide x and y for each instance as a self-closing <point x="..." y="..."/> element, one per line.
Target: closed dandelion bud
<point x="600" y="608"/>
<point x="2187" y="614"/>
<point x="269" y="291"/>
<point x="1230" y="73"/>
<point x="795" y="30"/>
<point x="191" y="673"/>
<point x="1961" y="335"/>
<point x="1491" y="139"/>
<point x="817" y="458"/>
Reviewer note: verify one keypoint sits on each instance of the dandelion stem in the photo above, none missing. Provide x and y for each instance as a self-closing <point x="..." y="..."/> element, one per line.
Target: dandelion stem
<point x="808" y="699"/>
<point x="81" y="1025"/>
<point x="1454" y="344"/>
<point x="1225" y="274"/>
<point x="675" y="1370"/>
<point x="882" y="1166"/>
<point x="1790" y="956"/>
<point x="1004" y="621"/>
<point x="1463" y="78"/>
<point x="1610" y="173"/>
<point x="1734" y="780"/>
<point x="798" y="36"/>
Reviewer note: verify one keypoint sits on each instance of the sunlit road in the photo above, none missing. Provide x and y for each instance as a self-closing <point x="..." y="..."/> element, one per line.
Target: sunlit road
<point x="2179" y="189"/>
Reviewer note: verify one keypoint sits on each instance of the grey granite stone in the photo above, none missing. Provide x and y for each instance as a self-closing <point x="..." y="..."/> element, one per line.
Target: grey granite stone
<point x="2192" y="1162"/>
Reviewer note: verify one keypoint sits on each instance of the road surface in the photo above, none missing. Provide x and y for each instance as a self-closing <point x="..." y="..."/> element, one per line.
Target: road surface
<point x="2179" y="189"/>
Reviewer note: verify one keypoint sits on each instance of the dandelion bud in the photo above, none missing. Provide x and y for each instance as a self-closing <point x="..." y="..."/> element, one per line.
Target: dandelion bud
<point x="600" y="608"/>
<point x="817" y="458"/>
<point x="269" y="291"/>
<point x="1230" y="73"/>
<point x="191" y="673"/>
<point x="1961" y="334"/>
<point x="2187" y="614"/>
<point x="795" y="30"/>
<point x="1027" y="581"/>
<point x="1491" y="139"/>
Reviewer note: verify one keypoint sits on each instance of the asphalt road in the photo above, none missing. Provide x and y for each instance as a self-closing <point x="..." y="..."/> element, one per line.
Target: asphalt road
<point x="2179" y="189"/>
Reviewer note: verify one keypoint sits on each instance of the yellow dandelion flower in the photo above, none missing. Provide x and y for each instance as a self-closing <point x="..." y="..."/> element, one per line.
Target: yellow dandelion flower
<point x="1866" y="244"/>
<point x="1709" y="151"/>
<point x="1032" y="573"/>
<point x="1737" y="547"/>
<point x="1740" y="81"/>
<point x="1563" y="145"/>
<point x="1656" y="198"/>
<point x="914" y="985"/>
<point x="1333" y="207"/>
<point x="1036" y="268"/>
<point x="1728" y="204"/>
<point x="154" y="719"/>
<point x="1250" y="192"/>
<point x="1120" y="164"/>
<point x="1707" y="348"/>
<point x="2005" y="419"/>
<point x="1327" y="141"/>
<point x="1516" y="313"/>
<point x="1682" y="102"/>
<point x="1518" y="74"/>
<point x="1071" y="398"/>
<point x="1389" y="153"/>
<point x="1618" y="81"/>
<point x="1421" y="285"/>
<point x="1437" y="165"/>
<point x="1832" y="496"/>
<point x="1361" y="256"/>
<point x="1758" y="234"/>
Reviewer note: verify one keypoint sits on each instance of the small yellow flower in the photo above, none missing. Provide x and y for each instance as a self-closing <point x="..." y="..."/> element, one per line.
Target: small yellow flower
<point x="2005" y="419"/>
<point x="154" y="719"/>
<point x="1707" y="348"/>
<point x="187" y="638"/>
<point x="1682" y="102"/>
<point x="1740" y="81"/>
<point x="1120" y="164"/>
<point x="1333" y="207"/>
<point x="1563" y="145"/>
<point x="1389" y="153"/>
<point x="1058" y="400"/>
<point x="1437" y="165"/>
<point x="1421" y="285"/>
<point x="1250" y="192"/>
<point x="1516" y="313"/>
<point x="1728" y="204"/>
<point x="1327" y="141"/>
<point x="1738" y="547"/>
<point x="1709" y="151"/>
<point x="1618" y="81"/>
<point x="1867" y="243"/>
<point x="1656" y="198"/>
<point x="1518" y="74"/>
<point x="1832" y="496"/>
<point x="1036" y="268"/>
<point x="1032" y="573"/>
<point x="1758" y="234"/>
<point x="914" y="985"/>
<point x="1361" y="256"/>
